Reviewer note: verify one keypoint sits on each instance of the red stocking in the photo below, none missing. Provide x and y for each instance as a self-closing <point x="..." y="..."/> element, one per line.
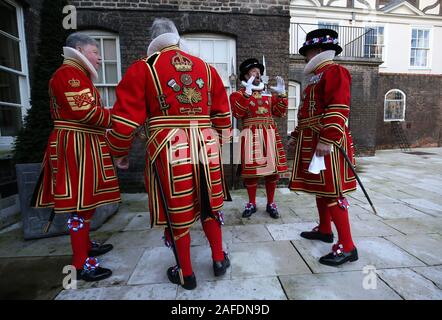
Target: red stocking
<point x="324" y="216"/>
<point x="182" y="241"/>
<point x="212" y="229"/>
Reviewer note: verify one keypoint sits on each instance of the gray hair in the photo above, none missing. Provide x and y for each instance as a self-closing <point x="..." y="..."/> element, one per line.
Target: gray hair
<point x="78" y="39"/>
<point x="162" y="25"/>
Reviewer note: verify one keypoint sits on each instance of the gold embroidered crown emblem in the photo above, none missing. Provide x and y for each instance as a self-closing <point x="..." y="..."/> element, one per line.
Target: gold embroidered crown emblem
<point x="181" y="63"/>
<point x="74" y="83"/>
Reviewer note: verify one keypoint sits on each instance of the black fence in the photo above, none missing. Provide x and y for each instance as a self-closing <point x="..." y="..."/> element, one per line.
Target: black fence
<point x="356" y="42"/>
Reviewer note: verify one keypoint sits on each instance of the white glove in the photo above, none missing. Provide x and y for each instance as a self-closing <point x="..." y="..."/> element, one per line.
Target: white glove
<point x="280" y="85"/>
<point x="249" y="85"/>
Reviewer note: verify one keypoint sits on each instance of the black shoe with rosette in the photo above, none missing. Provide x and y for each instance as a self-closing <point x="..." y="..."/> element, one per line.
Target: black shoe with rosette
<point x="272" y="209"/>
<point x="249" y="210"/>
<point x="174" y="277"/>
<point x="99" y="249"/>
<point x="220" y="267"/>
<point x="92" y="271"/>
<point x="316" y="235"/>
<point x="338" y="256"/>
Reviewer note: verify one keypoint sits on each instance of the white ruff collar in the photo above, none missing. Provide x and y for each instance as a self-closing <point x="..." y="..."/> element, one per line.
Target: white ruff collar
<point x="72" y="53"/>
<point x="327" y="55"/>
<point x="259" y="87"/>
<point x="165" y="40"/>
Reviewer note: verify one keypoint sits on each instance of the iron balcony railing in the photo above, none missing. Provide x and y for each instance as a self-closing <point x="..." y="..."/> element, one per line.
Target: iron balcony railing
<point x="356" y="42"/>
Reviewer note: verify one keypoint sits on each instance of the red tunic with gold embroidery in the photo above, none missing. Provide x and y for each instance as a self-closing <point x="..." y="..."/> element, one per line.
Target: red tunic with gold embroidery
<point x="77" y="169"/>
<point x="182" y="103"/>
<point x="262" y="152"/>
<point x="323" y="118"/>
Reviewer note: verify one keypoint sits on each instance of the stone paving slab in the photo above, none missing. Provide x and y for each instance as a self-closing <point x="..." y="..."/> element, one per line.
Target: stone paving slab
<point x="265" y="259"/>
<point x="336" y="286"/>
<point x="425" y="205"/>
<point x="250" y="233"/>
<point x="138" y="239"/>
<point x="145" y="292"/>
<point x="416" y="226"/>
<point x="369" y="228"/>
<point x="118" y="222"/>
<point x="152" y="266"/>
<point x="433" y="274"/>
<point x="374" y="251"/>
<point x="425" y="247"/>
<point x="395" y="210"/>
<point x="289" y="231"/>
<point x="141" y="221"/>
<point x="410" y="285"/>
<point x="267" y="288"/>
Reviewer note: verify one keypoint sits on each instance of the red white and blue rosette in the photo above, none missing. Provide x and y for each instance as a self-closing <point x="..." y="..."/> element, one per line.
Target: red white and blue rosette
<point x="91" y="264"/>
<point x="75" y="223"/>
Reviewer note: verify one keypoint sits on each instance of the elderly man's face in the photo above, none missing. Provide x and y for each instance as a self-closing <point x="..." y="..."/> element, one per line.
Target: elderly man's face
<point x="92" y="53"/>
<point x="255" y="72"/>
<point x="311" y="53"/>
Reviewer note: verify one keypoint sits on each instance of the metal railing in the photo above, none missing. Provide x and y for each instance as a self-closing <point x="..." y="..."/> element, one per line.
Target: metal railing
<point x="355" y="41"/>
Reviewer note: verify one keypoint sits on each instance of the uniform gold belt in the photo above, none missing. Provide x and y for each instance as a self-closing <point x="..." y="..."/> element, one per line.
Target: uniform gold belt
<point x="257" y="121"/>
<point x="312" y="122"/>
<point x="80" y="127"/>
<point x="173" y="122"/>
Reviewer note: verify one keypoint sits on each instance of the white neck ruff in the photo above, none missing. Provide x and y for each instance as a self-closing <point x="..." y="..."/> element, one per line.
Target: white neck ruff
<point x="165" y="40"/>
<point x="327" y="55"/>
<point x="72" y="53"/>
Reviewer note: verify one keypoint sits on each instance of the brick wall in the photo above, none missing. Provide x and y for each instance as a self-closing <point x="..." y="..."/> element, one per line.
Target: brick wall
<point x="423" y="113"/>
<point x="225" y="6"/>
<point x="364" y="97"/>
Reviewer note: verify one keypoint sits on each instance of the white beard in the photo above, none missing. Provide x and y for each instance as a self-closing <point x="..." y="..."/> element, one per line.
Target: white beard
<point x="327" y="55"/>
<point x="166" y="40"/>
<point x="72" y="53"/>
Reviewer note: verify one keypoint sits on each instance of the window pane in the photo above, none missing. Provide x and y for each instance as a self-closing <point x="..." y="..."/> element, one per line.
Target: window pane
<point x="206" y="51"/>
<point x="103" y="96"/>
<point x="100" y="74"/>
<point x="9" y="87"/>
<point x="10" y="120"/>
<point x="220" y="48"/>
<point x="112" y="96"/>
<point x="110" y="49"/>
<point x="222" y="71"/>
<point x="111" y="73"/>
<point x="8" y="19"/>
<point x="427" y="39"/>
<point x="9" y="53"/>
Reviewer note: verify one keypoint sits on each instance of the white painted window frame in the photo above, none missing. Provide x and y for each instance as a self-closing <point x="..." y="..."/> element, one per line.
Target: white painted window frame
<point x="405" y="105"/>
<point x="384" y="45"/>
<point x="429" y="51"/>
<point x="6" y="142"/>
<point x="297" y="98"/>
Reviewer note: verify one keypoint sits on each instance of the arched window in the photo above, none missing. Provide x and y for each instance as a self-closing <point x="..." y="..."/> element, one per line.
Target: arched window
<point x="292" y="114"/>
<point x="394" y="105"/>
<point x="110" y="69"/>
